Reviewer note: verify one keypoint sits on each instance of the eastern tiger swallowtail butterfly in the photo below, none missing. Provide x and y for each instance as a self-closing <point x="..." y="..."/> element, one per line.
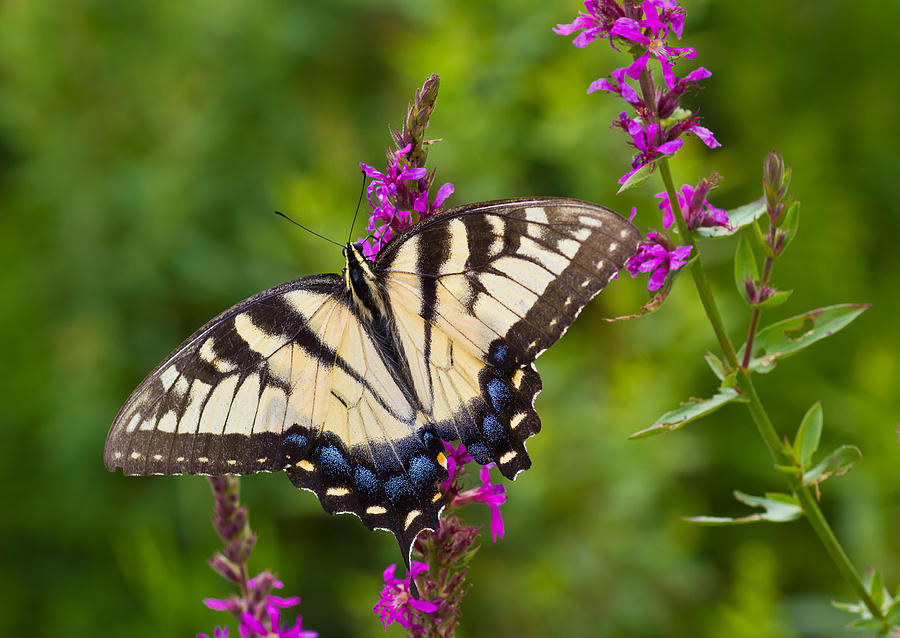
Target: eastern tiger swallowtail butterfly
<point x="349" y="383"/>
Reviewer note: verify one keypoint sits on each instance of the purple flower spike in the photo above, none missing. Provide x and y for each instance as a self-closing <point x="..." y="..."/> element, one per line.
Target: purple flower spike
<point x="397" y="604"/>
<point x="656" y="254"/>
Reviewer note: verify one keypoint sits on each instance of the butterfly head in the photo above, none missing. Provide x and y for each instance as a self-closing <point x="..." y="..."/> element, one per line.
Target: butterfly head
<point x="359" y="279"/>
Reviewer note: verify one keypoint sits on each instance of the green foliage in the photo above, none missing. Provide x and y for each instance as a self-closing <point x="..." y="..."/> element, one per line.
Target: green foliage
<point x="787" y="337"/>
<point x="779" y="508"/>
<point x="143" y="148"/>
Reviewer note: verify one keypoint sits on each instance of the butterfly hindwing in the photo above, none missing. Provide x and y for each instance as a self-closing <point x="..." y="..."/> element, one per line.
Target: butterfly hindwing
<point x="479" y="293"/>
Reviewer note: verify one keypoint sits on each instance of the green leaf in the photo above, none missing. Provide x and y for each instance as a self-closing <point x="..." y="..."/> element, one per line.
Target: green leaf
<point x="761" y="240"/>
<point x="876" y="588"/>
<point x="866" y="624"/>
<point x="852" y="608"/>
<point x="744" y="266"/>
<point x="689" y="411"/>
<point x="787" y="337"/>
<point x="776" y="299"/>
<point x="837" y="463"/>
<point x="808" y="434"/>
<point x="893" y="613"/>
<point x="737" y="219"/>
<point x="780" y="508"/>
<point x="637" y="178"/>
<point x="715" y="364"/>
<point x="790" y="225"/>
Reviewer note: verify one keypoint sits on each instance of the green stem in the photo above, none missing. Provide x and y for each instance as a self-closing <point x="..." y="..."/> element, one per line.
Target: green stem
<point x="764" y="425"/>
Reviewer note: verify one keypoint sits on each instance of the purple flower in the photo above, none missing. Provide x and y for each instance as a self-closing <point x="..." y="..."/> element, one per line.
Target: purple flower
<point x="251" y="626"/>
<point x="397" y="604"/>
<point x="645" y="139"/>
<point x="670" y="14"/>
<point x="656" y="254"/>
<point x="220" y="632"/>
<point x="618" y="85"/>
<point x="456" y="457"/>
<point x="697" y="211"/>
<point x="600" y="16"/>
<point x="632" y="31"/>
<point x="426" y="209"/>
<point x="492" y="495"/>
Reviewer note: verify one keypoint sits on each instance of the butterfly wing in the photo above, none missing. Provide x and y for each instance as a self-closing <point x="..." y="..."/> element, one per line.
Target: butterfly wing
<point x="290" y="379"/>
<point x="479" y="292"/>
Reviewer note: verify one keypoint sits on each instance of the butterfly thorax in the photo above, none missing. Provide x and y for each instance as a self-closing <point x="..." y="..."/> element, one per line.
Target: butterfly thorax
<point x="360" y="282"/>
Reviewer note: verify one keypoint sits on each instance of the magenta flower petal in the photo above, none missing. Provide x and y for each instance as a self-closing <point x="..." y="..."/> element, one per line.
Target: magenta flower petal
<point x="217" y="604"/>
<point x="251" y="623"/>
<point x="669" y="147"/>
<point x="635" y="68"/>
<point x="630" y="30"/>
<point x="705" y="135"/>
<point x="283" y="602"/>
<point x="697" y="74"/>
<point x="442" y="194"/>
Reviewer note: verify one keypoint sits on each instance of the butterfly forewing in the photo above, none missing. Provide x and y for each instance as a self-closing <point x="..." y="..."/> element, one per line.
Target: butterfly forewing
<point x="479" y="293"/>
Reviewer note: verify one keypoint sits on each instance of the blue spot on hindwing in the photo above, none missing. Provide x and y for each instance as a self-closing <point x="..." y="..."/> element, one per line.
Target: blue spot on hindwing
<point x="479" y="452"/>
<point x="492" y="428"/>
<point x="295" y="438"/>
<point x="498" y="392"/>
<point x="366" y="481"/>
<point x="422" y="471"/>
<point x="397" y="488"/>
<point x="332" y="461"/>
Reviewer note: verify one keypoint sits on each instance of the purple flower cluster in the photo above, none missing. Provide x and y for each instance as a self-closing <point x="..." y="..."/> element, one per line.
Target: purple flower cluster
<point x="659" y="121"/>
<point x="697" y="212"/>
<point x="397" y="603"/>
<point x="386" y="193"/>
<point x="658" y="255"/>
<point x="257" y="609"/>
<point x="644" y="28"/>
<point x="399" y="195"/>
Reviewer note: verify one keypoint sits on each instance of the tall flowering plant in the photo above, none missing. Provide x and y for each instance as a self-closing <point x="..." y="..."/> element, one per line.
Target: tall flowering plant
<point x="427" y="601"/>
<point x="656" y="124"/>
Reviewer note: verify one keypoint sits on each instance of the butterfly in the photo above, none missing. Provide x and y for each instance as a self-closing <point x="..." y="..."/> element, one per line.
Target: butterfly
<point x="350" y="383"/>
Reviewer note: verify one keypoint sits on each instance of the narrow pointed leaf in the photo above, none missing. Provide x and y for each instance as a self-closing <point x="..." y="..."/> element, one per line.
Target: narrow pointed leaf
<point x="893" y="613"/>
<point x="692" y="409"/>
<point x="787" y="337"/>
<point x="876" y="588"/>
<point x="637" y="178"/>
<point x="776" y="299"/>
<point x="715" y="364"/>
<point x="808" y="434"/>
<point x="744" y="266"/>
<point x="790" y="225"/>
<point x="780" y="508"/>
<point x="837" y="463"/>
<point x="737" y="219"/>
<point x="866" y="624"/>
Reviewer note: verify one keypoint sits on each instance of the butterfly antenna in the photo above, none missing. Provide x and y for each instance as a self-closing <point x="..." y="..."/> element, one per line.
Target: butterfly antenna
<point x="307" y="229"/>
<point x="358" y="204"/>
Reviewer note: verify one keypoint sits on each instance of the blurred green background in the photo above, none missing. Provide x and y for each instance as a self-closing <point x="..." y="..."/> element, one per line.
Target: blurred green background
<point x="143" y="148"/>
